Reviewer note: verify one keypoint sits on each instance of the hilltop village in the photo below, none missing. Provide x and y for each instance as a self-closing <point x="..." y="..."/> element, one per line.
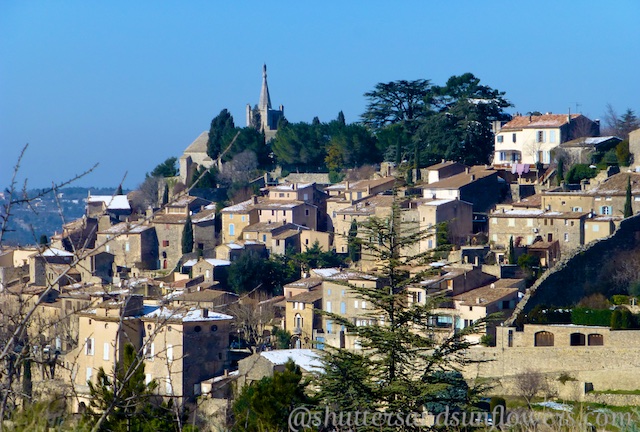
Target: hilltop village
<point x="529" y="257"/>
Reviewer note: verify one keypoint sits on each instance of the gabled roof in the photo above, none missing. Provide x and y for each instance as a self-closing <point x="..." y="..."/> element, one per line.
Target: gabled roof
<point x="592" y="141"/>
<point x="538" y="121"/>
<point x="307" y="297"/>
<point x="307" y="359"/>
<point x="112" y="202"/>
<point x="199" y="145"/>
<point x="459" y="180"/>
<point x="444" y="164"/>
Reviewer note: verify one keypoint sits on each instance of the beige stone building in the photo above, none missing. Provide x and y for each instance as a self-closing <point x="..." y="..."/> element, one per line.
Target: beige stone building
<point x="606" y="198"/>
<point x="134" y="245"/>
<point x="527" y="225"/>
<point x="530" y="139"/>
<point x="258" y="366"/>
<point x="302" y="318"/>
<point x="195" y="157"/>
<point x="181" y="347"/>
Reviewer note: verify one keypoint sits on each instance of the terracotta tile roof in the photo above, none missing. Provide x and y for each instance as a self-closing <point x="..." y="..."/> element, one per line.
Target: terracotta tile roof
<point x="459" y="180"/>
<point x="541" y="121"/>
<point x="306" y="283"/>
<point x="368" y="206"/>
<point x="529" y="202"/>
<point x="306" y="297"/>
<point x="444" y="164"/>
<point x="484" y="296"/>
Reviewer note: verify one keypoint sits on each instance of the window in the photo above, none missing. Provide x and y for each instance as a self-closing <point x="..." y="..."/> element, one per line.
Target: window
<point x="506" y="304"/>
<point x="299" y="321"/>
<point x="513" y="137"/>
<point x="207" y="274"/>
<point x="89" y="373"/>
<point x="242" y="218"/>
<point x="576" y="209"/>
<point x="105" y="352"/>
<point x="595" y="339"/>
<point x="500" y="139"/>
<point x="511" y="222"/>
<point x="281" y="195"/>
<point x="605" y="210"/>
<point x="494" y="237"/>
<point x="596" y="227"/>
<point x="149" y="351"/>
<point x="502" y="156"/>
<point x="147" y="379"/>
<point x="552" y="136"/>
<point x="165" y="243"/>
<point x="329" y="291"/>
<point x="232" y="229"/>
<point x="264" y="238"/>
<point x="329" y="326"/>
<point x="529" y="222"/>
<point x="328" y="306"/>
<point x="170" y="352"/>
<point x="355" y="304"/>
<point x="608" y="199"/>
<point x="231" y="216"/>
<point x="273" y="212"/>
<point x="540" y="136"/>
<point x="88" y="346"/>
<point x="566" y="237"/>
<point x="305" y="197"/>
<point x="168" y="386"/>
<point x="107" y="248"/>
<point x="494" y="221"/>
<point x="577" y="339"/>
<point x="364" y="304"/>
<point x="543" y="338"/>
<point x="126" y="247"/>
<point x="306" y="212"/>
<point x="343" y="308"/>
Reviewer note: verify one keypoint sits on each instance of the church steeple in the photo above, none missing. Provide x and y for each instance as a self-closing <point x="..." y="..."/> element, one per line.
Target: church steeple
<point x="265" y="99"/>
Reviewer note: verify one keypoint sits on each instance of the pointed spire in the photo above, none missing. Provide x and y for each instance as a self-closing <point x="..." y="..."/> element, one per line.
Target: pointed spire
<point x="265" y="99"/>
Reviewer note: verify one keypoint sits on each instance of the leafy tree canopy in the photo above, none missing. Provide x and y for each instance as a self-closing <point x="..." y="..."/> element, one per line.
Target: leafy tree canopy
<point x="168" y="168"/>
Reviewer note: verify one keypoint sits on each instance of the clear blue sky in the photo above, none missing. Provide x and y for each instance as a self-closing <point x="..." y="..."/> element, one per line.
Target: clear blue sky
<point x="128" y="84"/>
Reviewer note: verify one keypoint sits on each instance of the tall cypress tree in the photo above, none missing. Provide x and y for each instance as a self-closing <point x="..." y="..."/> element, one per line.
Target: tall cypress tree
<point x="165" y="195"/>
<point x="187" y="236"/>
<point x="354" y="245"/>
<point x="512" y="252"/>
<point x="628" y="210"/>
<point x="560" y="171"/>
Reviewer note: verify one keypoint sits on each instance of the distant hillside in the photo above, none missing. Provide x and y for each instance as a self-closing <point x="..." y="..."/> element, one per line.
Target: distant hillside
<point x="46" y="214"/>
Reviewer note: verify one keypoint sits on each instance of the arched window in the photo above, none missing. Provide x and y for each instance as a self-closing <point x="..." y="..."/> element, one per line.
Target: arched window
<point x="595" y="339"/>
<point x="543" y="338"/>
<point x="577" y="339"/>
<point x="298" y="321"/>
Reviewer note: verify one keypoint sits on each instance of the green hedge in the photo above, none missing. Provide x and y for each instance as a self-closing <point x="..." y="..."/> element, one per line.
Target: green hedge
<point x="596" y="317"/>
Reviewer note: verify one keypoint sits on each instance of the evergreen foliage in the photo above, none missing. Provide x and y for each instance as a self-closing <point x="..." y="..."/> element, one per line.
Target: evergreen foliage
<point x="127" y="399"/>
<point x="165" y="194"/>
<point x="579" y="172"/>
<point x="400" y="367"/>
<point x="628" y="210"/>
<point x="168" y="168"/>
<point x="512" y="252"/>
<point x="44" y="240"/>
<point x="187" y="236"/>
<point x="221" y="133"/>
<point x="353" y="242"/>
<point x="119" y="190"/>
<point x="265" y="405"/>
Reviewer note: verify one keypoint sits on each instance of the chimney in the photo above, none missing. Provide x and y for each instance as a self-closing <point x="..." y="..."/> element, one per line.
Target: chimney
<point x="530" y="117"/>
<point x="467" y="170"/>
<point x="478" y="299"/>
<point x="473" y="177"/>
<point x="205" y="312"/>
<point x="255" y="199"/>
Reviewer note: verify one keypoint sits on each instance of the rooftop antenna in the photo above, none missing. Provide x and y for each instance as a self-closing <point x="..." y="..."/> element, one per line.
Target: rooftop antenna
<point x="578" y="105"/>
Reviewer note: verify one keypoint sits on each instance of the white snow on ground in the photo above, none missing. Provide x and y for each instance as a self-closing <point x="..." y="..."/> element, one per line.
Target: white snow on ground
<point x="555" y="406"/>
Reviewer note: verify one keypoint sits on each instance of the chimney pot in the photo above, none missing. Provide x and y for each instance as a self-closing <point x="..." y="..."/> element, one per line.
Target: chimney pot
<point x="205" y="312"/>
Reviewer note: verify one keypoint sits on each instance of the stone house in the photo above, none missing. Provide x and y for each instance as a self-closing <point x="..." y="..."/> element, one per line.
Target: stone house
<point x="302" y="318"/>
<point x="606" y="198"/>
<point x="212" y="270"/>
<point x="181" y="347"/>
<point x="527" y="225"/>
<point x="444" y="169"/>
<point x="134" y="245"/>
<point x="634" y="146"/>
<point x="116" y="206"/>
<point x="42" y="261"/>
<point x="530" y="139"/>
<point x="478" y="185"/>
<point x="345" y="194"/>
<point x="258" y="366"/>
<point x="233" y="251"/>
<point x="581" y="150"/>
<point x="194" y="157"/>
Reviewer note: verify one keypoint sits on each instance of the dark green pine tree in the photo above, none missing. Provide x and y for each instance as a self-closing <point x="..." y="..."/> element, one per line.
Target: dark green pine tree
<point x="119" y="190"/>
<point x="353" y="243"/>
<point x="124" y="402"/>
<point x="511" y="252"/>
<point x="628" y="210"/>
<point x="265" y="405"/>
<point x="341" y="119"/>
<point x="400" y="367"/>
<point x="187" y="236"/>
<point x="44" y="241"/>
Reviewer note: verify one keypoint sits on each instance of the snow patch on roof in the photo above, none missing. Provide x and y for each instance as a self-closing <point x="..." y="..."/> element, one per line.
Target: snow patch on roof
<point x="115" y="202"/>
<point x="307" y="359"/>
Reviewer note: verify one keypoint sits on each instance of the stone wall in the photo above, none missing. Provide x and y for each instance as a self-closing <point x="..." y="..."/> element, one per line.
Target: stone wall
<point x="581" y="272"/>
